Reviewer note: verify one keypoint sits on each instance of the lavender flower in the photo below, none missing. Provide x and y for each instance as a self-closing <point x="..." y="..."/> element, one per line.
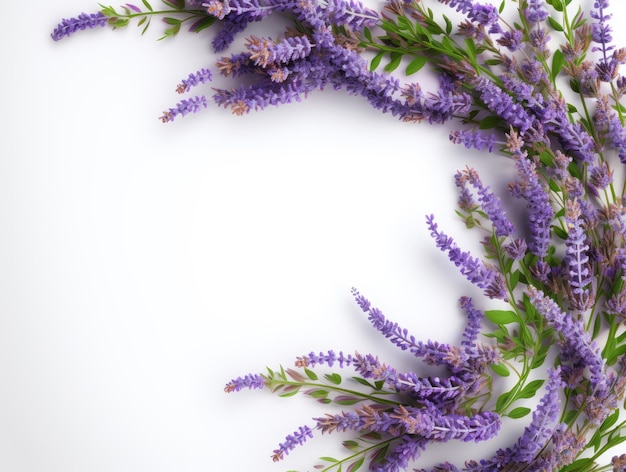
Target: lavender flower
<point x="501" y="104"/>
<point x="473" y="139"/>
<point x="601" y="34"/>
<point x="251" y="381"/>
<point x="200" y="77"/>
<point x="298" y="438"/>
<point x="577" y="259"/>
<point x="81" y="22"/>
<point x="349" y="12"/>
<point x="538" y="202"/>
<point x="472" y="268"/>
<point x="184" y="107"/>
<point x="426" y="422"/>
<point x="265" y="51"/>
<point x="577" y="348"/>
<point x="489" y="202"/>
<point x="535" y="11"/>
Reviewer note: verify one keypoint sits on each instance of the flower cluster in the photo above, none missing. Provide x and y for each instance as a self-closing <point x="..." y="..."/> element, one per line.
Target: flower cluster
<point x="561" y="273"/>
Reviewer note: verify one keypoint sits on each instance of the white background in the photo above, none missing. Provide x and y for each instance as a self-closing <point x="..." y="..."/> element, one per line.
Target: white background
<point x="144" y="265"/>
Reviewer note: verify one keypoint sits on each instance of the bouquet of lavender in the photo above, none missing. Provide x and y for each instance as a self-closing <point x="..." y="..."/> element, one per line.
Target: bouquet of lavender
<point x="536" y="81"/>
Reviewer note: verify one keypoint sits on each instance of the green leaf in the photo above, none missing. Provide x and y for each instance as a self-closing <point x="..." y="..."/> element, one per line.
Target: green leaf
<point x="615" y="355"/>
<point x="502" y="400"/>
<point x="318" y="393"/>
<point x="557" y="5"/>
<point x="530" y="390"/>
<point x="363" y="382"/>
<point x="376" y="61"/>
<point x="501" y="8"/>
<point x="396" y="58"/>
<point x="347" y="400"/>
<point x="368" y="34"/>
<point x="514" y="279"/>
<point x="356" y="465"/>
<point x="501" y="317"/>
<point x="310" y="374"/>
<point x="501" y="369"/>
<point x="489" y="122"/>
<point x="448" y="24"/>
<point x="202" y="23"/>
<point x="148" y="6"/>
<point x="519" y="412"/>
<point x="350" y="445"/>
<point x="176" y="4"/>
<point x="333" y="378"/>
<point x="546" y="158"/>
<point x="612" y="442"/>
<point x="290" y="392"/>
<point x="609" y="421"/>
<point x="558" y="61"/>
<point x="578" y="465"/>
<point x="328" y="459"/>
<point x="555" y="24"/>
<point x="540" y="357"/>
<point x="493" y="62"/>
<point x="415" y="65"/>
<point x="560" y="232"/>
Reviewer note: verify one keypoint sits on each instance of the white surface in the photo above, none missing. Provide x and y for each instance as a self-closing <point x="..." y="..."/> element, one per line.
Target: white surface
<point x="144" y="265"/>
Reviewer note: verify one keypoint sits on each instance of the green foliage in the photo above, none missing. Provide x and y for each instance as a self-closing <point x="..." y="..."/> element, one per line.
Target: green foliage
<point x="174" y="17"/>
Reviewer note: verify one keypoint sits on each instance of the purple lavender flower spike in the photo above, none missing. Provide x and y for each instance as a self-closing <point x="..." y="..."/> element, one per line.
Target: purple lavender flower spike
<point x="501" y="103"/>
<point x="601" y="35"/>
<point x="516" y="249"/>
<point x="251" y="381"/>
<point x="397" y="335"/>
<point x="266" y="51"/>
<point x="349" y="12"/>
<point x="577" y="348"/>
<point x="184" y="107"/>
<point x="474" y="138"/>
<point x="538" y="202"/>
<point x="535" y="436"/>
<point x="472" y="329"/>
<point x="472" y="268"/>
<point x="233" y="24"/>
<point x="489" y="202"/>
<point x="200" y="77"/>
<point x="81" y="22"/>
<point x="298" y="438"/>
<point x="409" y="448"/>
<point x="580" y="273"/>
<point x="426" y="422"/>
<point x="535" y="11"/>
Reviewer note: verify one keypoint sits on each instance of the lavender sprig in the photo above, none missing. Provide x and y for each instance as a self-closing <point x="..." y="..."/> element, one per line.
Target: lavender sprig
<point x="558" y="277"/>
